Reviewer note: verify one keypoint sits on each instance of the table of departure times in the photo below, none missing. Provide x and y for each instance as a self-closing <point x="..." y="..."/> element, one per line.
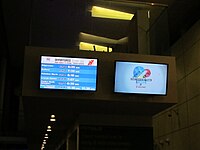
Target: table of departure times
<point x="68" y="73"/>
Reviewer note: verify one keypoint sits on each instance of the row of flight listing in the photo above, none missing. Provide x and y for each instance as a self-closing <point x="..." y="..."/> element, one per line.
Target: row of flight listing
<point x="73" y="73"/>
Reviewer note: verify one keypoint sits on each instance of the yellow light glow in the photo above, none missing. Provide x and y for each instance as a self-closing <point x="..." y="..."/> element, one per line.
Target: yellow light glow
<point x="49" y="127"/>
<point x="85" y="37"/>
<point x="92" y="47"/>
<point x="101" y="12"/>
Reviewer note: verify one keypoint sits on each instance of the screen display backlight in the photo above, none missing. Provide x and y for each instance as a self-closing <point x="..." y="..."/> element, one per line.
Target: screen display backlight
<point x="68" y="73"/>
<point x="140" y="78"/>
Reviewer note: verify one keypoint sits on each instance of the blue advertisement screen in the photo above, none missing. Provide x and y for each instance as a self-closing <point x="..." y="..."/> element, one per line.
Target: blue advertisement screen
<point x="68" y="73"/>
<point x="140" y="78"/>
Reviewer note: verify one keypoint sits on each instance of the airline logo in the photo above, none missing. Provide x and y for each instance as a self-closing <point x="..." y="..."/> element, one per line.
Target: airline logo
<point x="141" y="75"/>
<point x="90" y="63"/>
<point x="140" y="72"/>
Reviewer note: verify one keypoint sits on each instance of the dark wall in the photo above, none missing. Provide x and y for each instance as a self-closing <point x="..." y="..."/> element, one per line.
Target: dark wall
<point x="115" y="138"/>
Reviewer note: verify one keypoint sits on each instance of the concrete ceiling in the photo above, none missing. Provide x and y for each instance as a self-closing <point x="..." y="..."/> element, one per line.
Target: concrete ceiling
<point x="18" y="17"/>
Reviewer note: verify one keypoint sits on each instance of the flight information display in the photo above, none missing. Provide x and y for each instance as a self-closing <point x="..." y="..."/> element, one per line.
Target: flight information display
<point x="68" y="73"/>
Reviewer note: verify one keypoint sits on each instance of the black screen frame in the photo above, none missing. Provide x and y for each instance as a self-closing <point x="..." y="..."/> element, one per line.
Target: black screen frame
<point x="137" y="93"/>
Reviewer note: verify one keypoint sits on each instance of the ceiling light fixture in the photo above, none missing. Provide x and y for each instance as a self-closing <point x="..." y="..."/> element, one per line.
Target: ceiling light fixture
<point x="94" y="47"/>
<point x="101" y="12"/>
<point x="46" y="136"/>
<point x="49" y="130"/>
<point x="42" y="145"/>
<point x="53" y="118"/>
<point x="148" y="14"/>
<point x="85" y="37"/>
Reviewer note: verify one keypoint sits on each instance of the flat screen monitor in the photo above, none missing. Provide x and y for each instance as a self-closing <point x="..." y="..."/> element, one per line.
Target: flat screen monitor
<point x="141" y="78"/>
<point x="68" y="73"/>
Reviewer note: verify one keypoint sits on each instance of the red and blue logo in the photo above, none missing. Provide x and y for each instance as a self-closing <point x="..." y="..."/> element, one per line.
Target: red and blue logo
<point x="140" y="72"/>
<point x="141" y="75"/>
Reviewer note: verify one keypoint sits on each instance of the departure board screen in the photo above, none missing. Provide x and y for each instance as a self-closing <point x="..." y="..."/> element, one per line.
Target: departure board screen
<point x="68" y="73"/>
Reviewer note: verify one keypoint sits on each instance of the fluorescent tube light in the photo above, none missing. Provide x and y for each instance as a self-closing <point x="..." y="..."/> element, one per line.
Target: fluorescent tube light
<point x="101" y="12"/>
<point x="94" y="47"/>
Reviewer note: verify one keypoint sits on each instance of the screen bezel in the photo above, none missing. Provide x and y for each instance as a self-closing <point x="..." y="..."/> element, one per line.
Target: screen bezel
<point x="137" y="93"/>
<point x="69" y="90"/>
